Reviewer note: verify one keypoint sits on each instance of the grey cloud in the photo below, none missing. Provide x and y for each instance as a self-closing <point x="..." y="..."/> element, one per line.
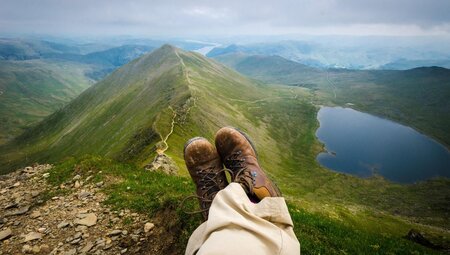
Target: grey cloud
<point x="215" y="17"/>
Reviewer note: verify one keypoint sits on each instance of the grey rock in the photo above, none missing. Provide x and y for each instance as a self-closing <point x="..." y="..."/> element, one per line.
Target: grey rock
<point x="90" y="219"/>
<point x="27" y="249"/>
<point x="75" y="241"/>
<point x="84" y="194"/>
<point x="87" y="247"/>
<point x="32" y="236"/>
<point x="77" y="235"/>
<point x="148" y="227"/>
<point x="63" y="224"/>
<point x="11" y="205"/>
<point x="19" y="211"/>
<point x="115" y="232"/>
<point x="5" y="234"/>
<point x="35" y="214"/>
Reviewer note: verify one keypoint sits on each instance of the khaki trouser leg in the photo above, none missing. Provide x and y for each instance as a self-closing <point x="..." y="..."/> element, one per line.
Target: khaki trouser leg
<point x="238" y="226"/>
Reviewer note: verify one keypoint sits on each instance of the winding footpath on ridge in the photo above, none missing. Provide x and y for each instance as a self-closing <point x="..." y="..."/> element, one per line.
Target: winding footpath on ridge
<point x="161" y="151"/>
<point x="164" y="140"/>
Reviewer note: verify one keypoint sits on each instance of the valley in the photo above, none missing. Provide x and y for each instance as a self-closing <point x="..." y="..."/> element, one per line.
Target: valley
<point x="155" y="103"/>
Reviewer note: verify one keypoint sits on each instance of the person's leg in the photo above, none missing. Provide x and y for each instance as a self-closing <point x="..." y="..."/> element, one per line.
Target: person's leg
<point x="237" y="225"/>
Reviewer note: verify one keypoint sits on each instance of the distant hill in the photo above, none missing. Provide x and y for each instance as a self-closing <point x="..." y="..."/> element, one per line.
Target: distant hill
<point x="368" y="53"/>
<point x="23" y="49"/>
<point x="273" y="69"/>
<point x="31" y="90"/>
<point x="417" y="97"/>
<point x="404" y="64"/>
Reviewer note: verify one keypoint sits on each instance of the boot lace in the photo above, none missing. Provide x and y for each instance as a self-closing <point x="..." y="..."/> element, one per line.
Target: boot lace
<point x="209" y="185"/>
<point x="240" y="173"/>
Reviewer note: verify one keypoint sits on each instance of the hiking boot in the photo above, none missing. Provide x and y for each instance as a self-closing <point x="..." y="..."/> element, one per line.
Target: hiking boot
<point x="206" y="170"/>
<point x="239" y="156"/>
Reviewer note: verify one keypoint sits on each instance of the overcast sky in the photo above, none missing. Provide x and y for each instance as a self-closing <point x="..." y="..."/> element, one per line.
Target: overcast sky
<point x="227" y="17"/>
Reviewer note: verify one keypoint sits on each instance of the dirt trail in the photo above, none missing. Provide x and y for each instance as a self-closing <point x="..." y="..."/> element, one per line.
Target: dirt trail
<point x="161" y="151"/>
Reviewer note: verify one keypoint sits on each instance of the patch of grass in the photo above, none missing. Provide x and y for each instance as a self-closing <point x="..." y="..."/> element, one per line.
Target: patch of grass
<point x="159" y="195"/>
<point x="319" y="234"/>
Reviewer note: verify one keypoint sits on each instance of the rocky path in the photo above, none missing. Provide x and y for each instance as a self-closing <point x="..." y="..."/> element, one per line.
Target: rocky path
<point x="38" y="218"/>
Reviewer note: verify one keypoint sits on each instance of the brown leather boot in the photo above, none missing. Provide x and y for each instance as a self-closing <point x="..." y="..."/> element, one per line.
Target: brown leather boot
<point x="239" y="155"/>
<point x="206" y="170"/>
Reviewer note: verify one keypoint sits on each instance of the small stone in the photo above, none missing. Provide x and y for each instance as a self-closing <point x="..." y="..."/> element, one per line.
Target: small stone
<point x="84" y="194"/>
<point x="124" y="232"/>
<point x="36" y="249"/>
<point x="148" y="226"/>
<point x="27" y="249"/>
<point x="11" y="205"/>
<point x="81" y="228"/>
<point x="87" y="247"/>
<point x="32" y="236"/>
<point x="123" y="251"/>
<point x="83" y="211"/>
<point x="34" y="194"/>
<point x="63" y="224"/>
<point x="99" y="184"/>
<point x="19" y="211"/>
<point x="108" y="246"/>
<point x="17" y="184"/>
<point x="76" y="177"/>
<point x="89" y="220"/>
<point x="115" y="232"/>
<point x="35" y="214"/>
<point x="45" y="249"/>
<point x="41" y="230"/>
<point x="46" y="175"/>
<point x="77" y="185"/>
<point x="89" y="178"/>
<point x="75" y="241"/>
<point x="71" y="252"/>
<point x="5" y="234"/>
<point x="77" y="235"/>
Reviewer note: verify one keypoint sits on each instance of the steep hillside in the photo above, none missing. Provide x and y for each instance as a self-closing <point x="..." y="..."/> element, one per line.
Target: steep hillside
<point x="145" y="111"/>
<point x="31" y="90"/>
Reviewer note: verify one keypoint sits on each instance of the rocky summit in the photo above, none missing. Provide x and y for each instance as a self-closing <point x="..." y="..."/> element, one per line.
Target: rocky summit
<point x="39" y="218"/>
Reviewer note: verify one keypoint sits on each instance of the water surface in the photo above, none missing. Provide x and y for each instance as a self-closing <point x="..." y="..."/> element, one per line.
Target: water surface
<point x="362" y="144"/>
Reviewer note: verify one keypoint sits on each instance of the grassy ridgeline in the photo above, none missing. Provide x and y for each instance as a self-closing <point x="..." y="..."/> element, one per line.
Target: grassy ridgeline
<point x="125" y="116"/>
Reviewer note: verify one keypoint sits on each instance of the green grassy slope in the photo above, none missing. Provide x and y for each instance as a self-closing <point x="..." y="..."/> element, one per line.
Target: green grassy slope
<point x="125" y="116"/>
<point x="416" y="97"/>
<point x="31" y="90"/>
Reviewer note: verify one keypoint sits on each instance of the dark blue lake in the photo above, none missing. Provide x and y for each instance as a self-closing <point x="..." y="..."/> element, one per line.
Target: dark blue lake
<point x="362" y="144"/>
